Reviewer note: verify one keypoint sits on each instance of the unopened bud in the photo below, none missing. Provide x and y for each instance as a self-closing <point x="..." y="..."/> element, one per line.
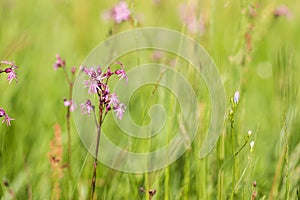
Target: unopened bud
<point x="249" y="133"/>
<point x="236" y="97"/>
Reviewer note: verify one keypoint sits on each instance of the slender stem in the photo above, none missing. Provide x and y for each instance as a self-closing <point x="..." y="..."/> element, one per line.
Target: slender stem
<point x="69" y="131"/>
<point x="99" y="124"/>
<point x="241" y="148"/>
<point x="68" y="117"/>
<point x="234" y="161"/>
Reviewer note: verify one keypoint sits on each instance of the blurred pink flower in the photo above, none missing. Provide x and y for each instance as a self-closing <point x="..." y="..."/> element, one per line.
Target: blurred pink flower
<point x="157" y="55"/>
<point x="121" y="72"/>
<point x="73" y="70"/>
<point x="282" y="11"/>
<point x="156" y="2"/>
<point x="188" y="14"/>
<point x="11" y="74"/>
<point x="70" y="104"/>
<point x="120" y="12"/>
<point x="86" y="107"/>
<point x="59" y="62"/>
<point x="114" y="100"/>
<point x="6" y="119"/>
<point x="120" y="109"/>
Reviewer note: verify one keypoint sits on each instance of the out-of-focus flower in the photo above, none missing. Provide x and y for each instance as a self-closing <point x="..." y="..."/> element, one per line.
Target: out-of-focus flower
<point x="10" y="63"/>
<point x="173" y="63"/>
<point x="282" y="11"/>
<point x="236" y="97"/>
<point x="120" y="109"/>
<point x="157" y="56"/>
<point x="11" y="75"/>
<point x="6" y="119"/>
<point x="70" y="104"/>
<point x="156" y="2"/>
<point x="73" y="70"/>
<point x="10" y="71"/>
<point x="114" y="100"/>
<point x="121" y="72"/>
<point x="120" y="12"/>
<point x="188" y="14"/>
<point x="249" y="133"/>
<point x="86" y="107"/>
<point x="95" y="76"/>
<point x="59" y="62"/>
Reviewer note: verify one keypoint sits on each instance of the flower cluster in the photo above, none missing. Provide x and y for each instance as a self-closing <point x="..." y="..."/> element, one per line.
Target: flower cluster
<point x="11" y="74"/>
<point x="97" y="83"/>
<point x="6" y="119"/>
<point x="120" y="12"/>
<point x="10" y="71"/>
<point x="234" y="102"/>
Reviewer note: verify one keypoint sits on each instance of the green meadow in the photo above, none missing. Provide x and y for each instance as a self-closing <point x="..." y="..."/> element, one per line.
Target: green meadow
<point x="256" y="48"/>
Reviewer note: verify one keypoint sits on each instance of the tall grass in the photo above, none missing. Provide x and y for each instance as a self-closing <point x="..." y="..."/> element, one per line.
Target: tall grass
<point x="256" y="54"/>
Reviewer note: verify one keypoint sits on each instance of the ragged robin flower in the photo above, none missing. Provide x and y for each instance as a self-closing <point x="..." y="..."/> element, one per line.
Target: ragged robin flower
<point x="6" y="119"/>
<point x="70" y="103"/>
<point x="97" y="83"/>
<point x="59" y="63"/>
<point x="10" y="71"/>
<point x="120" y="12"/>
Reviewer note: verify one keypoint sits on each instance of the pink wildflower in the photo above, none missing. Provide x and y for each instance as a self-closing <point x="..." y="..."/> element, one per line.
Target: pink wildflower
<point x="120" y="12"/>
<point x="59" y="62"/>
<point x="6" y="119"/>
<point x="70" y="104"/>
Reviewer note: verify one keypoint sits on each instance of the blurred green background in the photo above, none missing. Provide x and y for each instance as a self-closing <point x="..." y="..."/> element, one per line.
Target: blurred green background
<point x="256" y="53"/>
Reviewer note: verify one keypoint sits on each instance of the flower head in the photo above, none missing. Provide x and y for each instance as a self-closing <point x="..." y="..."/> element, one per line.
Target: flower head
<point x="282" y="11"/>
<point x="6" y="119"/>
<point x="249" y="133"/>
<point x="157" y="56"/>
<point x="120" y="12"/>
<point x="10" y="71"/>
<point x="86" y="107"/>
<point x="95" y="76"/>
<point x="70" y="104"/>
<point x="11" y="75"/>
<point x="98" y="84"/>
<point x="114" y="100"/>
<point x="73" y="70"/>
<point x="119" y="110"/>
<point x="59" y="62"/>
<point x="121" y="72"/>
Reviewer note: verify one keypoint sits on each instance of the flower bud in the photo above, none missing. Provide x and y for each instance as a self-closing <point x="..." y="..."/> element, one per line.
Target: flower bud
<point x="249" y="133"/>
<point x="236" y="97"/>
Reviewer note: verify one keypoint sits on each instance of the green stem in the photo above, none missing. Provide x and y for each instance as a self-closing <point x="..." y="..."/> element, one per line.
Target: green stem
<point x="69" y="132"/>
<point x="99" y="124"/>
<point x="234" y="158"/>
